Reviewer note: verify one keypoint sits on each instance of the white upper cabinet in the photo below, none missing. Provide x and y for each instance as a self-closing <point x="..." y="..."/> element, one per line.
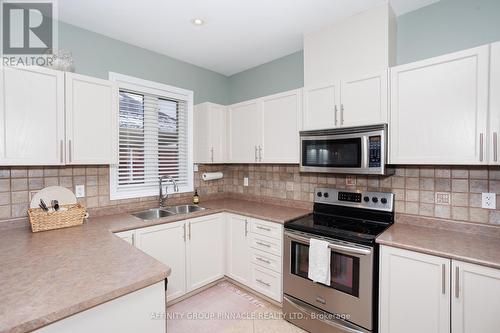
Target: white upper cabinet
<point x="32" y="113"/>
<point x="494" y="148"/>
<point x="320" y="107"/>
<point x="364" y="100"/>
<point x="414" y="292"/>
<point x="210" y="124"/>
<point x="245" y="132"/>
<point x="280" y="127"/>
<point x="475" y="298"/>
<point x="345" y="71"/>
<point x="91" y="120"/>
<point x="439" y="109"/>
<point x="206" y="250"/>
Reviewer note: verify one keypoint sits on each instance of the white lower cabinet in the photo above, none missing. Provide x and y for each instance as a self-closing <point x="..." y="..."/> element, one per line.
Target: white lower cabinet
<point x="414" y="292"/>
<point x="425" y="293"/>
<point x="130" y="313"/>
<point x="238" y="249"/>
<point x="205" y="250"/>
<point x="475" y="298"/>
<point x="166" y="243"/>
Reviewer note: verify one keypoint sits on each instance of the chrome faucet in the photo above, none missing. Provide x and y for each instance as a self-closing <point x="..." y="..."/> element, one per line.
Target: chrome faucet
<point x="164" y="197"/>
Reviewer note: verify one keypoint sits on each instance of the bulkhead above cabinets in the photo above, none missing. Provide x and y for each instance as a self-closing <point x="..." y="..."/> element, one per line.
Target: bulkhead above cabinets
<point x="56" y="118"/>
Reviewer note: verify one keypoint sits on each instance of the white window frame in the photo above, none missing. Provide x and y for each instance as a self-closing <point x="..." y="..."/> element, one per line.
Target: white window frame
<point x="131" y="83"/>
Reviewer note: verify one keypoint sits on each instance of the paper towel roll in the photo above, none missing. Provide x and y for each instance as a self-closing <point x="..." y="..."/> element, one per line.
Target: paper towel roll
<point x="212" y="176"/>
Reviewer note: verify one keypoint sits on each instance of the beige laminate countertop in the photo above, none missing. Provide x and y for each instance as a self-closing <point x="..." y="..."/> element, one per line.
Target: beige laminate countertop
<point x="465" y="246"/>
<point x="51" y="275"/>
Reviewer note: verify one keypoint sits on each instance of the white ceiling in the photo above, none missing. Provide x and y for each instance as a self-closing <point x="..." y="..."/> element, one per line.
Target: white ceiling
<point x="238" y="34"/>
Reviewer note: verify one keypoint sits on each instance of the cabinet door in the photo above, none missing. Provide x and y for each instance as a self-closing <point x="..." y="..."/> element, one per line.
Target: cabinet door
<point x="238" y="249"/>
<point x="439" y="109"/>
<point x="320" y="107"/>
<point x="32" y="110"/>
<point x="206" y="250"/>
<point x="217" y="133"/>
<point x="201" y="134"/>
<point x="280" y="124"/>
<point x="244" y="132"/>
<point x="414" y="292"/>
<point x="475" y="298"/>
<point x="91" y="120"/>
<point x="128" y="236"/>
<point x="363" y="100"/>
<point x="494" y="104"/>
<point x="167" y="244"/>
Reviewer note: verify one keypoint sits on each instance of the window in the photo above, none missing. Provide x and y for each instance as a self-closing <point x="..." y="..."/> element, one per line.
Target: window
<point x="155" y="133"/>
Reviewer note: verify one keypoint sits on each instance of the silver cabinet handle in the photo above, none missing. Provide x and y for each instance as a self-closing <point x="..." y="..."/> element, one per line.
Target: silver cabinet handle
<point x="62" y="151"/>
<point x="443" y="279"/>
<point x="263" y="260"/>
<point x="481" y="144"/>
<point x="263" y="228"/>
<point x="263" y="244"/>
<point x="133" y="239"/>
<point x="189" y="227"/>
<point x="70" y="151"/>
<point x="457" y="280"/>
<point x="335" y="115"/>
<point x="256" y="154"/>
<point x="341" y="114"/>
<point x="260" y="154"/>
<point x="495" y="146"/>
<point x="184" y="232"/>
<point x="246" y="228"/>
<point x="212" y="154"/>
<point x="262" y="282"/>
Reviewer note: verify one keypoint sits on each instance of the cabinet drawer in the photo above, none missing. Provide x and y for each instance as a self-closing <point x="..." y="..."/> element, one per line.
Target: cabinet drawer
<point x="266" y="244"/>
<point x="265" y="228"/>
<point x="266" y="260"/>
<point x="266" y="282"/>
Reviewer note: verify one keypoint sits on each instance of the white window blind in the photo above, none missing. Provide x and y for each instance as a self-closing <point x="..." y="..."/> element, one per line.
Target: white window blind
<point x="154" y="141"/>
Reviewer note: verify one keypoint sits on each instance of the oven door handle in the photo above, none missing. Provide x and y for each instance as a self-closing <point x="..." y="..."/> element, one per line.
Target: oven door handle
<point x="338" y="324"/>
<point x="344" y="248"/>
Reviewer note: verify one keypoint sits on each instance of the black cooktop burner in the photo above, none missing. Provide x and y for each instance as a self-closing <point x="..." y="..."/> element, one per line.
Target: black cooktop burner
<point x="347" y="224"/>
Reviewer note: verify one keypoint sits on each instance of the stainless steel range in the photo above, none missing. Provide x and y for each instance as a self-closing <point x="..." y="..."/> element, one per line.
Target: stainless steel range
<point x="350" y="222"/>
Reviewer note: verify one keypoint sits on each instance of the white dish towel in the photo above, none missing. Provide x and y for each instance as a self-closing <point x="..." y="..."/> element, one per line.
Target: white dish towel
<point x="319" y="261"/>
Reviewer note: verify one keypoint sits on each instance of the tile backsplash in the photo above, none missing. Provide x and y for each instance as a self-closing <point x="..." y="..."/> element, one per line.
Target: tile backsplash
<point x="18" y="184"/>
<point x="415" y="188"/>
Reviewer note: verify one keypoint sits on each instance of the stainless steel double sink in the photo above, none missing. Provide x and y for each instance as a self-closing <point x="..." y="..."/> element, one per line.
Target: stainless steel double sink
<point x="157" y="213"/>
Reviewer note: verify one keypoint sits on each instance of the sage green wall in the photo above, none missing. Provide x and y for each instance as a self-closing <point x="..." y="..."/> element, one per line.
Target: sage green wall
<point x="447" y="26"/>
<point x="282" y="74"/>
<point x="96" y="55"/>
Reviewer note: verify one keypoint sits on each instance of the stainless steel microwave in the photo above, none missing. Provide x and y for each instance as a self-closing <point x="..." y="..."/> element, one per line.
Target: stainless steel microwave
<point x="348" y="150"/>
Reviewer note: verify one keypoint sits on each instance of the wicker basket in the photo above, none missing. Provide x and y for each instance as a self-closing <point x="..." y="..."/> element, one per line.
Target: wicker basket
<point x="42" y="221"/>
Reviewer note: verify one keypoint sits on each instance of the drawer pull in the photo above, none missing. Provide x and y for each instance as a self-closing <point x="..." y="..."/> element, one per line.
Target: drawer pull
<point x="263" y="260"/>
<point x="263" y="244"/>
<point x="263" y="228"/>
<point x="262" y="282"/>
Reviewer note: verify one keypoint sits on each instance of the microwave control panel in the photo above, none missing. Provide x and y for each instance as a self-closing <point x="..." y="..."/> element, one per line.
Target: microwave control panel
<point x="375" y="151"/>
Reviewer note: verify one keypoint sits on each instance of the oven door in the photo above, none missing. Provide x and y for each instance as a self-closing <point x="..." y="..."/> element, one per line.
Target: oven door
<point x="350" y="294"/>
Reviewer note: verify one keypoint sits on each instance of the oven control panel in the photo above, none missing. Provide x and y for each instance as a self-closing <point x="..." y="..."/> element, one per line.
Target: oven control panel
<point x="359" y="199"/>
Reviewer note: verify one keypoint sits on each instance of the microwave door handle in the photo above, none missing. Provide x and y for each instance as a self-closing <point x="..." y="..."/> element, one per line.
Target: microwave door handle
<point x="338" y="247"/>
<point x="365" y="152"/>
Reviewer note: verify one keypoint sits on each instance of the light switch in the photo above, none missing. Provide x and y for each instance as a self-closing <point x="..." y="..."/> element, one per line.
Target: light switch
<point x="80" y="191"/>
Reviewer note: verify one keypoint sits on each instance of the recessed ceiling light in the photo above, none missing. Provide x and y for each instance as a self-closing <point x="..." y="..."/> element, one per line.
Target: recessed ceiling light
<point x="198" y="21"/>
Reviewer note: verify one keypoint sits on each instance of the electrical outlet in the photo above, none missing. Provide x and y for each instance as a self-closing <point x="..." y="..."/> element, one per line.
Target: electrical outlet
<point x="443" y="198"/>
<point x="245" y="181"/>
<point x="80" y="191"/>
<point x="489" y="200"/>
<point x="195" y="168"/>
